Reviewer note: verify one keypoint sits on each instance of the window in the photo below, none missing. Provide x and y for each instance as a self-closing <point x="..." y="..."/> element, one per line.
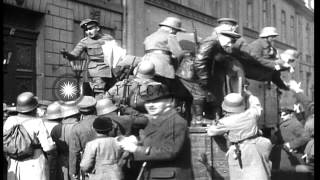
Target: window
<point x="231" y="8"/>
<point x="308" y="37"/>
<point x="265" y="13"/>
<point x="300" y="38"/>
<point x="308" y="59"/>
<point x="274" y="15"/>
<point x="308" y="78"/>
<point x="283" y="34"/>
<point x="217" y="8"/>
<point x="249" y="22"/>
<point x="292" y="31"/>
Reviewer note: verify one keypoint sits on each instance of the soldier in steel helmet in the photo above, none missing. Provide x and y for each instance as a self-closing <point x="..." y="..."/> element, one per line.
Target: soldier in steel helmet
<point x="61" y="134"/>
<point x="248" y="154"/>
<point x="104" y="56"/>
<point x="52" y="118"/>
<point x="127" y="92"/>
<point x="36" y="166"/>
<point x="81" y="133"/>
<point x="163" y="49"/>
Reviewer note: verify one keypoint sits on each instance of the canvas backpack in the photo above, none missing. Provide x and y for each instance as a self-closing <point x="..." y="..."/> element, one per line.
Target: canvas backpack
<point x="17" y="143"/>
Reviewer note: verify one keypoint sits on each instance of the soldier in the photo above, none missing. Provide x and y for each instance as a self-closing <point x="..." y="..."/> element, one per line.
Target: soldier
<point x="128" y="121"/>
<point x="264" y="53"/>
<point x="36" y="166"/>
<point x="61" y="134"/>
<point x="165" y="144"/>
<point x="127" y="92"/>
<point x="212" y="64"/>
<point x="104" y="55"/>
<point x="162" y="48"/>
<point x="81" y="133"/>
<point x="52" y="118"/>
<point x="248" y="155"/>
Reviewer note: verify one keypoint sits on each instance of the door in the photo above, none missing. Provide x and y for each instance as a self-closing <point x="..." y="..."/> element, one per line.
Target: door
<point x="19" y="75"/>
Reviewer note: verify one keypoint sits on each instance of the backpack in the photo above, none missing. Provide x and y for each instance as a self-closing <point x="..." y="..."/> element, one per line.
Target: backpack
<point x="17" y="143"/>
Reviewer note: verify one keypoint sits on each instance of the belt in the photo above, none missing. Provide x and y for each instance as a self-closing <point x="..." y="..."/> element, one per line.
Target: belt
<point x="158" y="51"/>
<point x="251" y="137"/>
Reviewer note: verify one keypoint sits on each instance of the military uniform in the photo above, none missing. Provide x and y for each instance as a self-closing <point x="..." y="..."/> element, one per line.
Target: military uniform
<point x="159" y="48"/>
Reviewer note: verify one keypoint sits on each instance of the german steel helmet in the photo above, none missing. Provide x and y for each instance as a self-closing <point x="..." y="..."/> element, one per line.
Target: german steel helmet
<point x="87" y="102"/>
<point x="53" y="111"/>
<point x="88" y="22"/>
<point x="26" y="102"/>
<point x="69" y="110"/>
<point x="172" y="22"/>
<point x="233" y="102"/>
<point x="268" y="31"/>
<point x="146" y="70"/>
<point x="105" y="106"/>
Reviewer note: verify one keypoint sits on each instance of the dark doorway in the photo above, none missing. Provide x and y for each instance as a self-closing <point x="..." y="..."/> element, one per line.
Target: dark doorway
<point x="19" y="52"/>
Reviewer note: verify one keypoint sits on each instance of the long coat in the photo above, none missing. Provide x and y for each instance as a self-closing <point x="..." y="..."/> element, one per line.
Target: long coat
<point x="81" y="133"/>
<point x="170" y="156"/>
<point x="100" y="159"/>
<point x="35" y="167"/>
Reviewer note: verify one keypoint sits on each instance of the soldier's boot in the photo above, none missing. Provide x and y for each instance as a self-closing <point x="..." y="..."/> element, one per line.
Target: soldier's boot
<point x="197" y="113"/>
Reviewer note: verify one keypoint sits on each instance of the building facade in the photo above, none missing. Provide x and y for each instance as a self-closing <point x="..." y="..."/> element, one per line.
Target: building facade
<point x="41" y="28"/>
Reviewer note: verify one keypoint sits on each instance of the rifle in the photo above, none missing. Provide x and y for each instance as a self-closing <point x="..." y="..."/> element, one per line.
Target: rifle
<point x="196" y="47"/>
<point x="126" y="81"/>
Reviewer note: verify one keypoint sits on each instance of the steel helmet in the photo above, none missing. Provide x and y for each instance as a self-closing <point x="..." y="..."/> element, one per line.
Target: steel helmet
<point x="172" y="22"/>
<point x="53" y="111"/>
<point x="26" y="102"/>
<point x="105" y="106"/>
<point x="268" y="31"/>
<point x="86" y="103"/>
<point x="234" y="103"/>
<point x="69" y="110"/>
<point x="146" y="70"/>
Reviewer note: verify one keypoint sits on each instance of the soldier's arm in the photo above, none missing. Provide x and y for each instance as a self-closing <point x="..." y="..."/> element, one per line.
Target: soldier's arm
<point x="80" y="47"/>
<point x="74" y="152"/>
<point x="88" y="159"/>
<point x="174" y="46"/>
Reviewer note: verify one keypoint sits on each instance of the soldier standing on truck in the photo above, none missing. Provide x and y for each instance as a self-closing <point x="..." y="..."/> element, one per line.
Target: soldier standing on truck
<point x="104" y="55"/>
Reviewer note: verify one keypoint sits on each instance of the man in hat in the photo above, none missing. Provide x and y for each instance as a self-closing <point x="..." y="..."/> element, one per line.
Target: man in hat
<point x="127" y="92"/>
<point x="248" y="155"/>
<point x="165" y="144"/>
<point x="36" y="166"/>
<point x="163" y="49"/>
<point x="81" y="133"/>
<point x="104" y="56"/>
<point x="213" y="63"/>
<point x="61" y="134"/>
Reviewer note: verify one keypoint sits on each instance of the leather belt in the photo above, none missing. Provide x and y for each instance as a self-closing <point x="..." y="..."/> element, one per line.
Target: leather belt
<point x="251" y="137"/>
<point x="158" y="51"/>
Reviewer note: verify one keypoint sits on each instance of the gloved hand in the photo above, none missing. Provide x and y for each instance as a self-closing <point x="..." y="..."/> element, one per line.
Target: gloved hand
<point x="66" y="54"/>
<point x="128" y="146"/>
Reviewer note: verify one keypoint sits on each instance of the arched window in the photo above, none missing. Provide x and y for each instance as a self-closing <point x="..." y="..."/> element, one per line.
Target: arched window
<point x="265" y="13"/>
<point x="274" y="15"/>
<point x="293" y="37"/>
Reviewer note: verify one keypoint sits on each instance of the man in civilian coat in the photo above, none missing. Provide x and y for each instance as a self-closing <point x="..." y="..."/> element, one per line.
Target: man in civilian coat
<point x="165" y="146"/>
<point x="81" y="133"/>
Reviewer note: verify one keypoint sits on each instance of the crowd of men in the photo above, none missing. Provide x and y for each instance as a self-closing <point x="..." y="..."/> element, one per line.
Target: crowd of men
<point x="135" y="125"/>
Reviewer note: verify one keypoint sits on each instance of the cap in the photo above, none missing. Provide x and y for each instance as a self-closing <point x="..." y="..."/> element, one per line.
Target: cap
<point x="102" y="124"/>
<point x="230" y="34"/>
<point x="234" y="103"/>
<point x="69" y="110"/>
<point x="228" y="20"/>
<point x="86" y="23"/>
